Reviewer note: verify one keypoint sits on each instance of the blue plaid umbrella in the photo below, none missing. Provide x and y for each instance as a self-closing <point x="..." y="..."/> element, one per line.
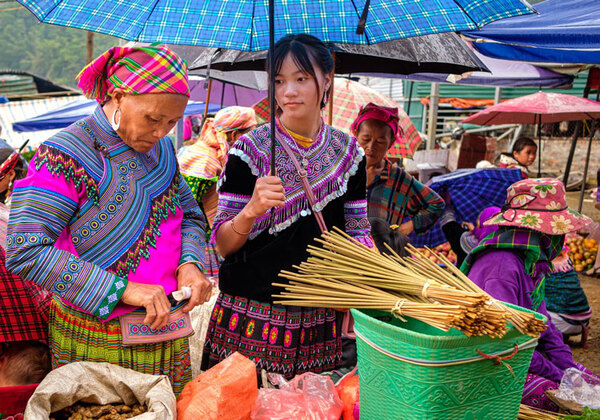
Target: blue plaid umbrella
<point x="471" y="191"/>
<point x="254" y="25"/>
<point x="244" y="24"/>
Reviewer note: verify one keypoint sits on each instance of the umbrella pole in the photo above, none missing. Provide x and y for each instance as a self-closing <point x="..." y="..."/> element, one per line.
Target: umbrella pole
<point x="409" y="97"/>
<point x="586" y="167"/>
<point x="539" y="174"/>
<point x="207" y="98"/>
<point x="330" y="116"/>
<point x="272" y="84"/>
<point x="222" y="94"/>
<point x="578" y="130"/>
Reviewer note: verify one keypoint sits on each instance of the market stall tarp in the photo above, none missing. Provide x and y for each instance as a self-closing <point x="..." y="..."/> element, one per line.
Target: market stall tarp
<point x="503" y="73"/>
<point x="471" y="191"/>
<point x="21" y="110"/>
<point x="561" y="32"/>
<point x="67" y="115"/>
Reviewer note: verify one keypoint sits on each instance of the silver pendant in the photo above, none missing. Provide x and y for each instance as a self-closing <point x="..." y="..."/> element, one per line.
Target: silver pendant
<point x="304" y="163"/>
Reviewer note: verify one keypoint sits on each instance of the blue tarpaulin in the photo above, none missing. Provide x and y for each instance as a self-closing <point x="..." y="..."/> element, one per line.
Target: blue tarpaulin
<point x="562" y="32"/>
<point x="471" y="191"/>
<point x="67" y="115"/>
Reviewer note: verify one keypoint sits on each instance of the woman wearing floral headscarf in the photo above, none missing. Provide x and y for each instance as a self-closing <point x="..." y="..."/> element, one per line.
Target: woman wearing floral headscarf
<point x="202" y="163"/>
<point x="105" y="221"/>
<point x="511" y="264"/>
<point x="392" y="194"/>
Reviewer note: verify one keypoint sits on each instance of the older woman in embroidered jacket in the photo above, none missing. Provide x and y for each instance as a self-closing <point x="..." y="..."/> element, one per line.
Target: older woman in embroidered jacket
<point x="105" y="221"/>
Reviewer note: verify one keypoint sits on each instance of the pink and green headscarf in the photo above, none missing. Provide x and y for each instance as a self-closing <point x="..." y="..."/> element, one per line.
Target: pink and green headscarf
<point x="136" y="70"/>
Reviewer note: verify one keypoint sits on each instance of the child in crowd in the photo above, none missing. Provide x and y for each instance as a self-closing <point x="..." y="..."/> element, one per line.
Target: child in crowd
<point x="23" y="365"/>
<point x="522" y="156"/>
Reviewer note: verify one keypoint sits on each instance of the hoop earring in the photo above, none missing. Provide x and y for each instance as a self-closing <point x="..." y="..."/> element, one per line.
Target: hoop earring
<point x="113" y="122"/>
<point x="325" y="99"/>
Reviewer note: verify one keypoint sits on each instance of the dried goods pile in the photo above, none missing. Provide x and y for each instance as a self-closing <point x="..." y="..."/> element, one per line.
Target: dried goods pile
<point x="81" y="411"/>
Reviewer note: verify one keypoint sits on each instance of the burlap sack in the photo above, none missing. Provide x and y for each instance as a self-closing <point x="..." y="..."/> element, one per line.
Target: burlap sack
<point x="102" y="383"/>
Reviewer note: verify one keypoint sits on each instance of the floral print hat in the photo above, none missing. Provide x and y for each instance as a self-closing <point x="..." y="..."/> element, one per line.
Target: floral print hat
<point x="539" y="204"/>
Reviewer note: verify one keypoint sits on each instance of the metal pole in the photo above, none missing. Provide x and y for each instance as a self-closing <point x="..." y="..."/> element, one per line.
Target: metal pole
<point x="539" y="174"/>
<point x="497" y="95"/>
<point x="578" y="128"/>
<point x="330" y="118"/>
<point x="433" y="114"/>
<point x="410" y="89"/>
<point x="587" y="164"/>
<point x="272" y="83"/>
<point x="89" y="54"/>
<point x="207" y="98"/>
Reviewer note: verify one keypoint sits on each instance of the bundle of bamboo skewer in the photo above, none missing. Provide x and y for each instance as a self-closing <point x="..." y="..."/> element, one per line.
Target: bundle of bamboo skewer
<point x="530" y="413"/>
<point x="343" y="273"/>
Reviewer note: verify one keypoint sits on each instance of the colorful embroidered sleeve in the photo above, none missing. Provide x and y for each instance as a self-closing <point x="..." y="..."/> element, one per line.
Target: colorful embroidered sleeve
<point x="43" y="204"/>
<point x="355" y="207"/>
<point x="235" y="190"/>
<point x="193" y="228"/>
<point x="424" y="205"/>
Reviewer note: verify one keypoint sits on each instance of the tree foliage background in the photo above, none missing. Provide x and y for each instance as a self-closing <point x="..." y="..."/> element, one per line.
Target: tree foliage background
<point x="53" y="52"/>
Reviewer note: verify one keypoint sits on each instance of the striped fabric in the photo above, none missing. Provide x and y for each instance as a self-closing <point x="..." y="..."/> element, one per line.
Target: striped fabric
<point x="396" y="196"/>
<point x="136" y="70"/>
<point x="244" y="25"/>
<point x="348" y="97"/>
<point x="76" y="336"/>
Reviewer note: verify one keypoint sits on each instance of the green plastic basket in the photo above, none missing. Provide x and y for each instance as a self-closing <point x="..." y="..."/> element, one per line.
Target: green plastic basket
<point x="410" y="370"/>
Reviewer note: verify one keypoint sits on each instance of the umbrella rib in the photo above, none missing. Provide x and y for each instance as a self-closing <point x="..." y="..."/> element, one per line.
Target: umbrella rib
<point x="359" y="16"/>
<point x="137" y="37"/>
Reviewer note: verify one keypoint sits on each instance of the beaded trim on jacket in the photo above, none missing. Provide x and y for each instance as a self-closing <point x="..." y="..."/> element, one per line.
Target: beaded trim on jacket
<point x="333" y="158"/>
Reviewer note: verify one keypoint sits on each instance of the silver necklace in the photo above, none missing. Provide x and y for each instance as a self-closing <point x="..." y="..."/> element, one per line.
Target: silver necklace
<point x="303" y="159"/>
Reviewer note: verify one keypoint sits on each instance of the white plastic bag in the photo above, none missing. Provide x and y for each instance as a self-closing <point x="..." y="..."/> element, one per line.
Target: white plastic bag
<point x="580" y="387"/>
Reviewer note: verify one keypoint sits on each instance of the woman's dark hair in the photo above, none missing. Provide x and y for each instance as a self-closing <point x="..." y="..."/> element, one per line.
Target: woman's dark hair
<point x="382" y="234"/>
<point x="20" y="168"/>
<point x="523" y="142"/>
<point x="305" y="50"/>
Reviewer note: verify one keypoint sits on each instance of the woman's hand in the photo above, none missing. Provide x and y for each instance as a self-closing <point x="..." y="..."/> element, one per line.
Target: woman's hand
<point x="468" y="225"/>
<point x="268" y="192"/>
<point x="406" y="228"/>
<point x="190" y="275"/>
<point x="153" y="298"/>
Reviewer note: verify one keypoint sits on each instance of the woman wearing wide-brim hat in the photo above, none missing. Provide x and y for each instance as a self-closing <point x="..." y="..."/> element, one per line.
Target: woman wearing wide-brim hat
<point x="510" y="265"/>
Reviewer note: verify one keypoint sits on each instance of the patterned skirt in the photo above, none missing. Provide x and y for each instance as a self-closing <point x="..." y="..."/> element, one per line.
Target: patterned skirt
<point x="76" y="336"/>
<point x="280" y="339"/>
<point x="534" y="394"/>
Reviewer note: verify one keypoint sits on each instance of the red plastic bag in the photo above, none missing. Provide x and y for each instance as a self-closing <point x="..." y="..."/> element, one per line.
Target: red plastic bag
<point x="348" y="391"/>
<point x="306" y="397"/>
<point x="225" y="391"/>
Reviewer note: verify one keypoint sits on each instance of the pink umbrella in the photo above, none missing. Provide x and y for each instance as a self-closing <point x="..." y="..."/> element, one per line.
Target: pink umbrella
<point x="538" y="108"/>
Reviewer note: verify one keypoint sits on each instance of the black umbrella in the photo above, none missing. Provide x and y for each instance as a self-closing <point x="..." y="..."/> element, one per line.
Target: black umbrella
<point x="436" y="53"/>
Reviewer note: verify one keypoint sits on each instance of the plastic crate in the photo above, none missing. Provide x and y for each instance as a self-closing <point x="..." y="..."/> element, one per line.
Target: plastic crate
<point x="411" y="370"/>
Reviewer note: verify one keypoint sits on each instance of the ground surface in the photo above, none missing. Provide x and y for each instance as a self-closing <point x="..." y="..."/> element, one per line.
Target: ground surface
<point x="590" y="356"/>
